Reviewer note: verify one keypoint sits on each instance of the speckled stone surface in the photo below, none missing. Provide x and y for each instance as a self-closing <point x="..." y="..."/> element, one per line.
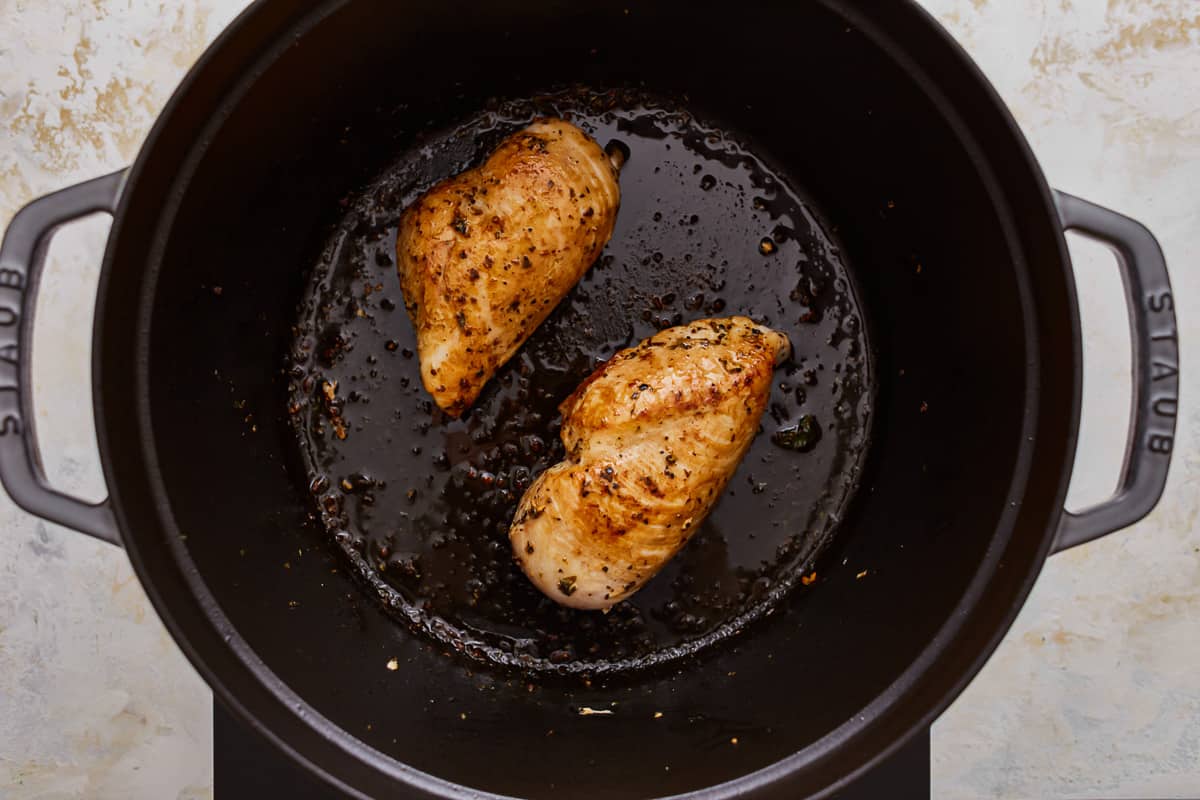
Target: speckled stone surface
<point x="1095" y="691"/>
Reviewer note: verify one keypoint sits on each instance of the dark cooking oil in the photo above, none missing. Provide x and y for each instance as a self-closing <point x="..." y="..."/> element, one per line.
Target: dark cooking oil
<point x="420" y="503"/>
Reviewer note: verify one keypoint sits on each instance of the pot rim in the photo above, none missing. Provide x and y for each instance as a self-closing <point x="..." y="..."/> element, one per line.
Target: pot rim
<point x="265" y="703"/>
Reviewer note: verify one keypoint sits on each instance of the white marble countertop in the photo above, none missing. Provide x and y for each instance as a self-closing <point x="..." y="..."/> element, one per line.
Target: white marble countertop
<point x="1096" y="689"/>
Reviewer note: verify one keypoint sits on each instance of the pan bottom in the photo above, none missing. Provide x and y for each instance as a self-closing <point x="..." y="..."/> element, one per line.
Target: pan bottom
<point x="419" y="503"/>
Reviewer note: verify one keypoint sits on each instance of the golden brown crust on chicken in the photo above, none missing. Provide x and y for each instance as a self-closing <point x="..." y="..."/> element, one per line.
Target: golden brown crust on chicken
<point x="652" y="437"/>
<point x="485" y="256"/>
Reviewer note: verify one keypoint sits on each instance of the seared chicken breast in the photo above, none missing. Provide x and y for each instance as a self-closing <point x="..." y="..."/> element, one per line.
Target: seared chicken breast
<point x="485" y="256"/>
<point x="652" y="437"/>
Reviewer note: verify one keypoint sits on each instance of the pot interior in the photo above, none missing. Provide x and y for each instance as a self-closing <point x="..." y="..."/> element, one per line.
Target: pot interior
<point x="941" y="271"/>
<point x="420" y="503"/>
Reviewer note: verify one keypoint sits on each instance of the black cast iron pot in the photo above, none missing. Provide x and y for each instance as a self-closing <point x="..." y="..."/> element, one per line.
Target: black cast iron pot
<point x="871" y="109"/>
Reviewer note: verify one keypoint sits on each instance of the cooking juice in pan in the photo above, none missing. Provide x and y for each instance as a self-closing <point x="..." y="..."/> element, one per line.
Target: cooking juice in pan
<point x="420" y="503"/>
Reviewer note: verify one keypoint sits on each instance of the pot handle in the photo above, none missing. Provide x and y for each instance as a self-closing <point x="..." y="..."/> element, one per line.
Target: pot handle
<point x="1155" y="370"/>
<point x="22" y="256"/>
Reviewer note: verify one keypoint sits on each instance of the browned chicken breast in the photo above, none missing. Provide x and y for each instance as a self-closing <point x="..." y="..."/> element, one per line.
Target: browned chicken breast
<point x="485" y="256"/>
<point x="652" y="437"/>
